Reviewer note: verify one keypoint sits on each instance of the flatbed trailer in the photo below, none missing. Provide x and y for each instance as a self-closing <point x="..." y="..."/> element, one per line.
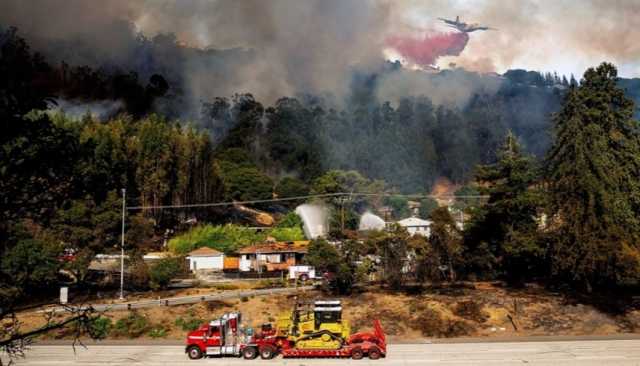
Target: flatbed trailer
<point x="222" y="337"/>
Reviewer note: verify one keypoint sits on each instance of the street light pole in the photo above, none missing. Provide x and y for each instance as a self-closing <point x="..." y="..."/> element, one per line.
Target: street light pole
<point x="124" y="194"/>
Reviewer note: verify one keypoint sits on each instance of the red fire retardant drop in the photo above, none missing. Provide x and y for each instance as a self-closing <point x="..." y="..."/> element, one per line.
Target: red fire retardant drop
<point x="426" y="51"/>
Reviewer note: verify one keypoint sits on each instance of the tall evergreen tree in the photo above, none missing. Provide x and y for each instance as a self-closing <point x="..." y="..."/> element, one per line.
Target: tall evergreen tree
<point x="592" y="173"/>
<point x="504" y="230"/>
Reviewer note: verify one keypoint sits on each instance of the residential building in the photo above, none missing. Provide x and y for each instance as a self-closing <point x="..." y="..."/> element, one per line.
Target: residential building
<point x="415" y="225"/>
<point x="206" y="258"/>
<point x="272" y="256"/>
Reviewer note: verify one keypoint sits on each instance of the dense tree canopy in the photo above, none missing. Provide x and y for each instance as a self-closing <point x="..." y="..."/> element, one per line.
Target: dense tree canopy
<point x="502" y="234"/>
<point x="594" y="192"/>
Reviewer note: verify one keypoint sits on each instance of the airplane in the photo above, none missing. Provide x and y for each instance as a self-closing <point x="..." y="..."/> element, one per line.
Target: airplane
<point x="464" y="27"/>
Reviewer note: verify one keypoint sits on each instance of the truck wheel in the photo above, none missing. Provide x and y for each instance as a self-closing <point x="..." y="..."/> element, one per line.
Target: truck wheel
<point x="194" y="352"/>
<point x="374" y="353"/>
<point x="357" y="353"/>
<point x="250" y="353"/>
<point x="267" y="353"/>
<point x="304" y="278"/>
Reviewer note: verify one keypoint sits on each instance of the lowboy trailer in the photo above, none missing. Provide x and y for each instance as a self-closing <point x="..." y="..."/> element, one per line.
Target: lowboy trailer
<point x="319" y="332"/>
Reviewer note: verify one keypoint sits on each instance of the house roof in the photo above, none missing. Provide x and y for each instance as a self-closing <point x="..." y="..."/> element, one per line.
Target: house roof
<point x="277" y="247"/>
<point x="205" y="252"/>
<point x="157" y="255"/>
<point x="414" y="221"/>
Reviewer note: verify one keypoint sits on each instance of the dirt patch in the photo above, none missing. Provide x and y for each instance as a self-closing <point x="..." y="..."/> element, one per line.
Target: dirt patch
<point x="486" y="310"/>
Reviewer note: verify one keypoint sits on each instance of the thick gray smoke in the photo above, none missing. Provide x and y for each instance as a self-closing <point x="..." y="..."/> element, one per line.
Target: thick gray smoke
<point x="274" y="48"/>
<point x="267" y="48"/>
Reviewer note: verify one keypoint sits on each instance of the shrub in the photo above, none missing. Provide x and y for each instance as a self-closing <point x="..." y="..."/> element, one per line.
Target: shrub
<point x="471" y="310"/>
<point x="244" y="299"/>
<point x="224" y="286"/>
<point x="158" y="331"/>
<point x="227" y="238"/>
<point x="291" y="219"/>
<point x="162" y="272"/>
<point x="100" y="327"/>
<point x="133" y="326"/>
<point x="431" y="324"/>
<point x="188" y="323"/>
<point x="269" y="283"/>
<point x="139" y="272"/>
<point x="287" y="233"/>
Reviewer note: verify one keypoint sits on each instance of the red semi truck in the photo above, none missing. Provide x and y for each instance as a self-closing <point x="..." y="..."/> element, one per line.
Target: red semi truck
<point x="226" y="337"/>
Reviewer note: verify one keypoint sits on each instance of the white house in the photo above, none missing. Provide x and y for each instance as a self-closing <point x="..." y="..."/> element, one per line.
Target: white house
<point x="415" y="225"/>
<point x="206" y="258"/>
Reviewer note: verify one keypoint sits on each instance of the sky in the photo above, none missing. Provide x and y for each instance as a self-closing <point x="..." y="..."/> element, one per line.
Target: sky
<point x="567" y="36"/>
<point x="313" y="45"/>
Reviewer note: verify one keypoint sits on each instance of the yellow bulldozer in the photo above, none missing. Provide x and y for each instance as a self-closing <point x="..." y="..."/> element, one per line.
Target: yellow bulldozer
<point x="316" y="325"/>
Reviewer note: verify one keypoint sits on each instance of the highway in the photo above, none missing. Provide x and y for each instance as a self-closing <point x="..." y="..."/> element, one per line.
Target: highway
<point x="591" y="352"/>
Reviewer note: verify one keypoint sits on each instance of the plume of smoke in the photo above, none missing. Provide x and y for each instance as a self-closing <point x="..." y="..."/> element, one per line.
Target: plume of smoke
<point x="288" y="47"/>
<point x="427" y="50"/>
<point x="76" y="109"/>
<point x="450" y="87"/>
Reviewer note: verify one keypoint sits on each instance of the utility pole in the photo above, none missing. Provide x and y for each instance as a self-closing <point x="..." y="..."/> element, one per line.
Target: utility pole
<point x="342" y="215"/>
<point x="124" y="195"/>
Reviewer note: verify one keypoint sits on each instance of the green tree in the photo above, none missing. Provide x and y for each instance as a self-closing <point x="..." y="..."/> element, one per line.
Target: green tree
<point x="291" y="219"/>
<point x="399" y="206"/>
<point x="325" y="257"/>
<point x="32" y="264"/>
<point x="162" y="272"/>
<point x="242" y="180"/>
<point x="446" y="240"/>
<point x="291" y="187"/>
<point x="393" y="250"/>
<point x="506" y="226"/>
<point x="427" y="205"/>
<point x="593" y="188"/>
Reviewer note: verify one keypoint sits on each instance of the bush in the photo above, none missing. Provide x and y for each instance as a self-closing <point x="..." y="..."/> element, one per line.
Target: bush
<point x="189" y="323"/>
<point x="224" y="286"/>
<point x="287" y="233"/>
<point x="139" y="272"/>
<point x="133" y="326"/>
<point x="471" y="310"/>
<point x="269" y="283"/>
<point x="291" y="219"/>
<point x="100" y="327"/>
<point x="431" y="324"/>
<point x="158" y="331"/>
<point x="227" y="238"/>
<point x="162" y="272"/>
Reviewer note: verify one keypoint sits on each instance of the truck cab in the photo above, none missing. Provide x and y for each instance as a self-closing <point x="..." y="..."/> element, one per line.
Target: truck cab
<point x="220" y="337"/>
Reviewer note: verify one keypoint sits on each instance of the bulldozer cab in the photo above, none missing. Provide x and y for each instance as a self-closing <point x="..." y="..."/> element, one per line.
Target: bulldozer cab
<point x="327" y="312"/>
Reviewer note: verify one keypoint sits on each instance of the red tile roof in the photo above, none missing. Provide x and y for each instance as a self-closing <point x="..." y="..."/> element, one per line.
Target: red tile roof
<point x="277" y="247"/>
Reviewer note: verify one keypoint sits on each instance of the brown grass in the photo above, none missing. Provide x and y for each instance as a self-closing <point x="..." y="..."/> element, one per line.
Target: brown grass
<point x="442" y="312"/>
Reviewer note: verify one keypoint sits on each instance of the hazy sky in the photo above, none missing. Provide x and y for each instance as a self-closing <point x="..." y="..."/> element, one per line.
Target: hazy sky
<point x="546" y="35"/>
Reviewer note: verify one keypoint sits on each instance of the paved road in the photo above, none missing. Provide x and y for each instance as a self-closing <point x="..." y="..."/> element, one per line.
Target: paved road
<point x="169" y="301"/>
<point x="609" y="352"/>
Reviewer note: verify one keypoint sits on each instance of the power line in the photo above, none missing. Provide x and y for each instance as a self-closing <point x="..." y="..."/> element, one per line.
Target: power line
<point x="325" y="195"/>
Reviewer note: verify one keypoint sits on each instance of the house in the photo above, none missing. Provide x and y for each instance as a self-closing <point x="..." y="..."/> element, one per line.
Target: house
<point x="272" y="256"/>
<point x="415" y="225"/>
<point x="206" y="258"/>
